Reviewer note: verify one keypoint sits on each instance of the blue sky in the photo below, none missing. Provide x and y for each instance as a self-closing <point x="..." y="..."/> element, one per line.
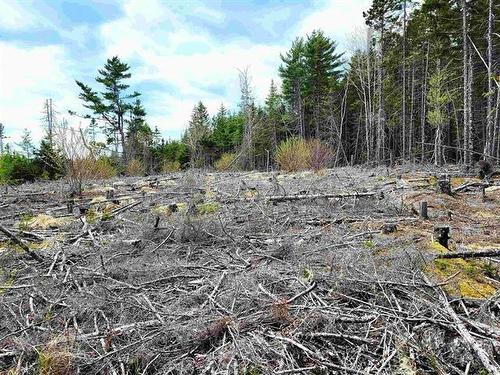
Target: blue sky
<point x="180" y="52"/>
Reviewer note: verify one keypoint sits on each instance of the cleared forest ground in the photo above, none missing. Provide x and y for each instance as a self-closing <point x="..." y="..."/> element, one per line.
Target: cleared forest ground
<point x="252" y="273"/>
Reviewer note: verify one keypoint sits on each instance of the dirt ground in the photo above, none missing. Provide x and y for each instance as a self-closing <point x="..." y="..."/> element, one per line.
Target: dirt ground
<point x="252" y="273"/>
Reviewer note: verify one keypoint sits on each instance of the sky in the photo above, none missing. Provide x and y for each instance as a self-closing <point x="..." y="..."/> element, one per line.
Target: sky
<point x="179" y="51"/>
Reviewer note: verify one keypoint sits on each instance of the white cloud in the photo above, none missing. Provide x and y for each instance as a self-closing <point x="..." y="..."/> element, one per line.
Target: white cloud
<point x="337" y="18"/>
<point x="190" y="75"/>
<point x="27" y="77"/>
<point x="13" y="16"/>
<point x="150" y="36"/>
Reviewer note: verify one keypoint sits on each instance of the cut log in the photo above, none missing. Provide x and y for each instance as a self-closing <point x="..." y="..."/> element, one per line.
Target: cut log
<point x="285" y="198"/>
<point x="388" y="228"/>
<point x="444" y="185"/>
<point x="471" y="254"/>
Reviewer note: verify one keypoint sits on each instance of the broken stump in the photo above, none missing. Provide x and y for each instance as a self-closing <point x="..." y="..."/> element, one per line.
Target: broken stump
<point x="442" y="234"/>
<point x="389" y="228"/>
<point x="444" y="185"/>
<point x="423" y="211"/>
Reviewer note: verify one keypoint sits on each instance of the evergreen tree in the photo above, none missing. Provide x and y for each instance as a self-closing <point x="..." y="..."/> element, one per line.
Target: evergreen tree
<point x="50" y="162"/>
<point x="197" y="134"/>
<point x="322" y="72"/>
<point x="293" y="76"/>
<point x="111" y="105"/>
<point x="26" y="143"/>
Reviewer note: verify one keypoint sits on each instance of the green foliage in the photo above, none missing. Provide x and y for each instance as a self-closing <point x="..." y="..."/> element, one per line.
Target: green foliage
<point x="114" y="102"/>
<point x="26" y="143"/>
<point x="297" y="154"/>
<point x="310" y="71"/>
<point x="198" y="135"/>
<point x="173" y="152"/>
<point x="225" y="162"/>
<point x="293" y="155"/>
<point x="227" y="129"/>
<point x="49" y="160"/>
<point x="438" y="97"/>
<point x="16" y="169"/>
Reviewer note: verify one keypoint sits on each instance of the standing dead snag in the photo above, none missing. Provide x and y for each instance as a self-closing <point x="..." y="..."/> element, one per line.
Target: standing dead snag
<point x="23" y="246"/>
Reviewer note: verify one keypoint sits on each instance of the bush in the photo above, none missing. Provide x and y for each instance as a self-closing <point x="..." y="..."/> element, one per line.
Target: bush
<point x="135" y="168"/>
<point x="321" y="154"/>
<point x="104" y="169"/>
<point x="297" y="154"/>
<point x="84" y="169"/>
<point x="226" y="162"/>
<point x="293" y="155"/>
<point x="16" y="169"/>
<point x="171" y="166"/>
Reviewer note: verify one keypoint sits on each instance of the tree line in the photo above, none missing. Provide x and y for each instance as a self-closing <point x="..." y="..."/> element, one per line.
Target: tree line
<point x="420" y="84"/>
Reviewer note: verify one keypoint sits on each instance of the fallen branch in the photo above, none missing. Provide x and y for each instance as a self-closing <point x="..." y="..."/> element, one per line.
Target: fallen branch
<point x="470" y="254"/>
<point x="286" y="198"/>
<point x="21" y="244"/>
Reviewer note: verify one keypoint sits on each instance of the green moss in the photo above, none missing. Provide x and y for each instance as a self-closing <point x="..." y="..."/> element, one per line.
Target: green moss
<point x="307" y="274"/>
<point x="434" y="245"/>
<point x="208" y="208"/>
<point x="368" y="244"/>
<point x="468" y="280"/>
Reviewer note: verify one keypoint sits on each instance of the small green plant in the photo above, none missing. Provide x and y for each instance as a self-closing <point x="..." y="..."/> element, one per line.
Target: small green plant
<point x="171" y="166"/>
<point x="489" y="270"/>
<point x="368" y="244"/>
<point x="208" y="208"/>
<point x="226" y="162"/>
<point x="307" y="274"/>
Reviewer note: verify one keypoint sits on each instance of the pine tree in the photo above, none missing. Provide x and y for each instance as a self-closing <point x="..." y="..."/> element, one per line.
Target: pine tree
<point x="322" y="72"/>
<point x="293" y="76"/>
<point x="381" y="14"/>
<point x="26" y="143"/>
<point x="438" y="99"/>
<point x="112" y="104"/>
<point x="197" y="134"/>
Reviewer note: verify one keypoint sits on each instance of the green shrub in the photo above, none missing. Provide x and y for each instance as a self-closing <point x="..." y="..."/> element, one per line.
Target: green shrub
<point x="293" y="155"/>
<point x="171" y="166"/>
<point x="296" y="154"/>
<point x="226" y="162"/>
<point x="16" y="169"/>
<point x="135" y="168"/>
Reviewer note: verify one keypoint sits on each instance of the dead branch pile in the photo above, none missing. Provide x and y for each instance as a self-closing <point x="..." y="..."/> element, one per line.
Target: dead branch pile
<point x="183" y="278"/>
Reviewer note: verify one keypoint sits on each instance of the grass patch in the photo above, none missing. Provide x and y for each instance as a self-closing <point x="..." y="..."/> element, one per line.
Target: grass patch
<point x="208" y="208"/>
<point x="56" y="357"/>
<point x="43" y="221"/>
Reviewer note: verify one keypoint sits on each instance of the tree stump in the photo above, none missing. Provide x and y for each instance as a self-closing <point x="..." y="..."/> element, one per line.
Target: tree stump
<point x="444" y="185"/>
<point x="423" y="211"/>
<point x="389" y="228"/>
<point x="442" y="235"/>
